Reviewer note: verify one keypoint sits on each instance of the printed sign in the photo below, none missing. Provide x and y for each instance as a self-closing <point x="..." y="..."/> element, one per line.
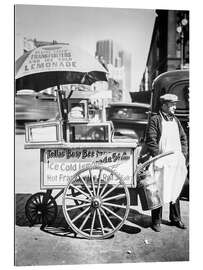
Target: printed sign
<point x="59" y="165"/>
<point x="57" y="58"/>
<point x="49" y="60"/>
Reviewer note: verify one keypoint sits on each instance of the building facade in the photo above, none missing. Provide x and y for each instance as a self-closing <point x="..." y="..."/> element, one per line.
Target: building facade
<point x="169" y="48"/>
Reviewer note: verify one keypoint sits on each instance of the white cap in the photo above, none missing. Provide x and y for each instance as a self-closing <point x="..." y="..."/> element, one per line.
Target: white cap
<point x="169" y="98"/>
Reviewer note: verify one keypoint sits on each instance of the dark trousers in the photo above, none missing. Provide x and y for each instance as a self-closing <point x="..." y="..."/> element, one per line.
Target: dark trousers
<point x="174" y="213"/>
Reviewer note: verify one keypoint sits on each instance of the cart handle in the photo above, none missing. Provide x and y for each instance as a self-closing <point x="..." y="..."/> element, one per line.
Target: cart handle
<point x="151" y="160"/>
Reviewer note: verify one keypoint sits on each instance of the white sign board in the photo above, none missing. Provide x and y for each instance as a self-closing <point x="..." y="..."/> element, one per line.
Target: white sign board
<point x="58" y="166"/>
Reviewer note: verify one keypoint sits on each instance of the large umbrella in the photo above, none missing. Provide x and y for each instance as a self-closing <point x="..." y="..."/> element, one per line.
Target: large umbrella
<point x="55" y="65"/>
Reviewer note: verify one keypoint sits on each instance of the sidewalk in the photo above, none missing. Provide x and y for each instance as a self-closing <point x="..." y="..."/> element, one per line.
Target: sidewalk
<point x="135" y="242"/>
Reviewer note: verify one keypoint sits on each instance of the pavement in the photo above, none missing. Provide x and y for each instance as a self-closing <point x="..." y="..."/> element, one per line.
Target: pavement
<point x="135" y="242"/>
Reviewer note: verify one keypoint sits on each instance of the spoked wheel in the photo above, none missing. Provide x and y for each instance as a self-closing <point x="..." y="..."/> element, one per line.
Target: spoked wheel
<point x="41" y="209"/>
<point x="98" y="192"/>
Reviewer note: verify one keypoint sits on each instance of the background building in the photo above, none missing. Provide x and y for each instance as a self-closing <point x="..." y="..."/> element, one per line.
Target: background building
<point x="118" y="63"/>
<point x="169" y="47"/>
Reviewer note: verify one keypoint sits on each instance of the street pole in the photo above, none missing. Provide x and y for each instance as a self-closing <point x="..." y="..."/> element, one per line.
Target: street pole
<point x="181" y="50"/>
<point x="180" y="30"/>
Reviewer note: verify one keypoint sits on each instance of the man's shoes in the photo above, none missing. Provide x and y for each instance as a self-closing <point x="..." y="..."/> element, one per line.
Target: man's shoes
<point x="156" y="227"/>
<point x="178" y="224"/>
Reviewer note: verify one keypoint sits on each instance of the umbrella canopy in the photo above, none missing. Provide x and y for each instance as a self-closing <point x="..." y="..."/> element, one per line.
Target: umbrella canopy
<point x="58" y="64"/>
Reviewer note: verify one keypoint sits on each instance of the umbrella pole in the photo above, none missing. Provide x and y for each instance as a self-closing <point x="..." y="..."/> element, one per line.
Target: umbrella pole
<point x="59" y="101"/>
<point x="103" y="110"/>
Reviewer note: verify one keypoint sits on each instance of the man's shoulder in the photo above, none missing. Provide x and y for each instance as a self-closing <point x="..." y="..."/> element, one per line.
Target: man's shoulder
<point x="155" y="120"/>
<point x="155" y="117"/>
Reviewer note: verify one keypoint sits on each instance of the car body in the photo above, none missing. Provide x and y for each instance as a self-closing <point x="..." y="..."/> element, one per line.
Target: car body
<point x="129" y="120"/>
<point x="31" y="107"/>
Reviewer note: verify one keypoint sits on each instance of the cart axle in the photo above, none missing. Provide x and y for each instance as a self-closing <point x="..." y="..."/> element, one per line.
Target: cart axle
<point x="96" y="202"/>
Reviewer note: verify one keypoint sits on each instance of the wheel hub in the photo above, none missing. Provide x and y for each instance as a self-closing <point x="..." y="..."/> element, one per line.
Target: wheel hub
<point x="96" y="202"/>
<point x="39" y="210"/>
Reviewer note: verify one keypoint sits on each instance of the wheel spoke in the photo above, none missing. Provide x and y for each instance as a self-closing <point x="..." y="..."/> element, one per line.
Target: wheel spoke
<point x="44" y="219"/>
<point x="35" y="201"/>
<point x="78" y="206"/>
<point x="99" y="181"/>
<point x="50" y="212"/>
<point x="119" y="196"/>
<point x="50" y="202"/>
<point x="33" y="215"/>
<point x="81" y="191"/>
<point x="92" y="180"/>
<point x="85" y="221"/>
<point x="77" y="199"/>
<point x="106" y="184"/>
<point x="41" y="199"/>
<point x="100" y="221"/>
<point x="104" y="187"/>
<point x="78" y="216"/>
<point x="47" y="219"/>
<point x="92" y="224"/>
<point x="50" y="208"/>
<point x="32" y="206"/>
<point x="36" y="216"/>
<point x="109" y="221"/>
<point x="90" y="192"/>
<point x="75" y="193"/>
<point x="110" y="190"/>
<point x="50" y="205"/>
<point x="115" y="205"/>
<point x="44" y="200"/>
<point x="114" y="214"/>
<point x="32" y="210"/>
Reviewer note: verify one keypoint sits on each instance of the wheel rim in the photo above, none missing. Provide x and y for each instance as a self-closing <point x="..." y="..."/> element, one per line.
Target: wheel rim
<point x="41" y="209"/>
<point x="92" y="212"/>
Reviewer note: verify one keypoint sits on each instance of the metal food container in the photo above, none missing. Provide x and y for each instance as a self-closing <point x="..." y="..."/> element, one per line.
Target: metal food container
<point x="148" y="191"/>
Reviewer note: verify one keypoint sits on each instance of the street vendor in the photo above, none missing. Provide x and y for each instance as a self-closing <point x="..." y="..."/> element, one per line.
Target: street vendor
<point x="164" y="134"/>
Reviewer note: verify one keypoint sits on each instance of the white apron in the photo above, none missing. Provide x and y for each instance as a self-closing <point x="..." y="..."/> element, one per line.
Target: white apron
<point x="170" y="172"/>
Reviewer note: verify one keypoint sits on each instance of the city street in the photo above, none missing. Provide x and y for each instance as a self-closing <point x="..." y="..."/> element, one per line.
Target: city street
<point x="135" y="242"/>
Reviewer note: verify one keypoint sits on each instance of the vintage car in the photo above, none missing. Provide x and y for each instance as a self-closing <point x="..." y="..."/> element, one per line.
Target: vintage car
<point x="31" y="107"/>
<point x="174" y="82"/>
<point x="129" y="120"/>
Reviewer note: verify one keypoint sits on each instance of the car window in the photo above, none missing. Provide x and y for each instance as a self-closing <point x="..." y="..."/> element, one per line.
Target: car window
<point x="182" y="91"/>
<point x="135" y="113"/>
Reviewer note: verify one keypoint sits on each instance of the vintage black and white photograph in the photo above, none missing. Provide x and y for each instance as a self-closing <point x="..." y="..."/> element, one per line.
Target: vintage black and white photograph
<point x="101" y="135"/>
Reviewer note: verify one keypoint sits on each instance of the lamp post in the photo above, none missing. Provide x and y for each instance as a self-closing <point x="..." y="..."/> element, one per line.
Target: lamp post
<point x="180" y="30"/>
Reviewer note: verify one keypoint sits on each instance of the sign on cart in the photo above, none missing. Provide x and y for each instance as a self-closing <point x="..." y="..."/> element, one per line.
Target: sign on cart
<point x="58" y="166"/>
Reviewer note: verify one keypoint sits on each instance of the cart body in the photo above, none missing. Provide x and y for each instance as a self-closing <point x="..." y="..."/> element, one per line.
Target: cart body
<point x="80" y="158"/>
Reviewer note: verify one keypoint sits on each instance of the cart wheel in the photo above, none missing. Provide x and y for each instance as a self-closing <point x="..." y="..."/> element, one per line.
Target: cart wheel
<point x="98" y="192"/>
<point x="41" y="209"/>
